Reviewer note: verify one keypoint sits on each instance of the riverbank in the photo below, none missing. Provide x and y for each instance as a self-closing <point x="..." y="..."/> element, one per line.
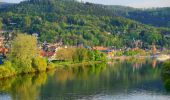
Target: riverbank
<point x="51" y="66"/>
<point x="160" y="57"/>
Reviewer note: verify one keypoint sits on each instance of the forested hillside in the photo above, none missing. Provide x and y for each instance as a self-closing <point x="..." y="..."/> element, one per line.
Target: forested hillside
<point x="152" y="16"/>
<point x="74" y="22"/>
<point x="157" y="16"/>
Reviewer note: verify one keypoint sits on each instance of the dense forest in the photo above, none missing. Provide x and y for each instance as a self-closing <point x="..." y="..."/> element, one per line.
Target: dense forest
<point x="74" y="22"/>
<point x="156" y="16"/>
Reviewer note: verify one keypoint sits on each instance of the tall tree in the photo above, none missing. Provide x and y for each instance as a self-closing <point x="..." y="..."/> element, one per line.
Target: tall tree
<point x="1" y="24"/>
<point x="23" y="50"/>
<point x="27" y="22"/>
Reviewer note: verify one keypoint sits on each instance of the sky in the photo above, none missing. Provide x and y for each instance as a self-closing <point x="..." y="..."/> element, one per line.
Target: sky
<point x="132" y="3"/>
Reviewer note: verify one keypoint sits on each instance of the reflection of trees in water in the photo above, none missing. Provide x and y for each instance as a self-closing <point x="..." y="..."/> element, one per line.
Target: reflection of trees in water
<point x="154" y="63"/>
<point x="88" y="80"/>
<point x="79" y="72"/>
<point x="145" y="71"/>
<point x="138" y="63"/>
<point x="75" y="82"/>
<point x="24" y="87"/>
<point x="166" y="75"/>
<point x="166" y="82"/>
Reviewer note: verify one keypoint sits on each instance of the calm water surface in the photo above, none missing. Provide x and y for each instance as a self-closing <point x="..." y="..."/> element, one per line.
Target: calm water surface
<point x="126" y="80"/>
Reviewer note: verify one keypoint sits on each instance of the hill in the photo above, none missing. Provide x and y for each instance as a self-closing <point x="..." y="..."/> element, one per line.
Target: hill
<point x="73" y="23"/>
<point x="156" y="16"/>
<point x="4" y="4"/>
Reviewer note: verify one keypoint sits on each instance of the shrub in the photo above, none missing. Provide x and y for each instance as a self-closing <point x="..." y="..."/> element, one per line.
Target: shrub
<point x="119" y="53"/>
<point x="79" y="55"/>
<point x="134" y="52"/>
<point x="6" y="70"/>
<point x="65" y="54"/>
<point x="39" y="64"/>
<point x="23" y="66"/>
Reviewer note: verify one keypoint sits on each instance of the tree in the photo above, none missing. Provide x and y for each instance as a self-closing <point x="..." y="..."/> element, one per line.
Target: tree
<point x="65" y="54"/>
<point x="1" y="24"/>
<point x="27" y="22"/>
<point x="23" y="50"/>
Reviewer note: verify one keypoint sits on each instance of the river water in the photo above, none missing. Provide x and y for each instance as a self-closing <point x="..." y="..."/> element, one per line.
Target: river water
<point x="118" y="80"/>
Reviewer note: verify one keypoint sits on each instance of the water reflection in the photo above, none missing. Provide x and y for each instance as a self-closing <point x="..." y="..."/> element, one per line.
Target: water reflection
<point x="166" y="76"/>
<point x="115" y="80"/>
<point x="26" y="87"/>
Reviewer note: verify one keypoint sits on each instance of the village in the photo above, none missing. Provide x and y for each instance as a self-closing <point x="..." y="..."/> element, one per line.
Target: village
<point x="49" y="50"/>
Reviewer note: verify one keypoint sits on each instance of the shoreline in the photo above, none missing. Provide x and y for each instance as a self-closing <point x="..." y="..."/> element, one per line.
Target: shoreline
<point x="59" y="65"/>
<point x="148" y="56"/>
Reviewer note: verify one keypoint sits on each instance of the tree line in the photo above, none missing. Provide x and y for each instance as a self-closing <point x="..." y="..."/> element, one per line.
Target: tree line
<point x="75" y="23"/>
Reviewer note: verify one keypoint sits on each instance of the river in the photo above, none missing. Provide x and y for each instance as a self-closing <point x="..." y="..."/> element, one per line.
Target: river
<point x="118" y="80"/>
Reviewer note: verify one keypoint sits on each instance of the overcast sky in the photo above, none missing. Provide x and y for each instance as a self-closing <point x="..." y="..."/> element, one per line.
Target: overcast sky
<point x="133" y="3"/>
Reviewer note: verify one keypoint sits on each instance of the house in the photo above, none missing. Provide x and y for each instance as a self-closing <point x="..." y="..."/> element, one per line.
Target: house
<point x="49" y="50"/>
<point x="46" y="54"/>
<point x="3" y="51"/>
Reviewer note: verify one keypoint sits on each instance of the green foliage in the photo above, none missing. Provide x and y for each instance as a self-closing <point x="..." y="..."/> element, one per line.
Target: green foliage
<point x="156" y="16"/>
<point x="130" y="53"/>
<point x="66" y="54"/>
<point x="27" y="22"/>
<point x="99" y="56"/>
<point x="133" y="52"/>
<point x="23" y="50"/>
<point x="80" y="55"/>
<point x="166" y="67"/>
<point x="39" y="63"/>
<point x="91" y="24"/>
<point x="6" y="70"/>
<point x="166" y="75"/>
<point x="119" y="53"/>
<point x="1" y="24"/>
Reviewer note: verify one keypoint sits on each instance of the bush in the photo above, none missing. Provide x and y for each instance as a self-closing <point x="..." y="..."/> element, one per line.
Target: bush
<point x="134" y="52"/>
<point x="23" y="66"/>
<point x="65" y="54"/>
<point x="80" y="55"/>
<point x="119" y="53"/>
<point x="39" y="64"/>
<point x="6" y="70"/>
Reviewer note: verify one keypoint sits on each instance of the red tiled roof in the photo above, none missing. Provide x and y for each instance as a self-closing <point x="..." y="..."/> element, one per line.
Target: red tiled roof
<point x="46" y="54"/>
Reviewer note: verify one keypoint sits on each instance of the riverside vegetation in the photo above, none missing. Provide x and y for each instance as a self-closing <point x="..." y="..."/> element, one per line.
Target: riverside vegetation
<point x="24" y="57"/>
<point x="73" y="22"/>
